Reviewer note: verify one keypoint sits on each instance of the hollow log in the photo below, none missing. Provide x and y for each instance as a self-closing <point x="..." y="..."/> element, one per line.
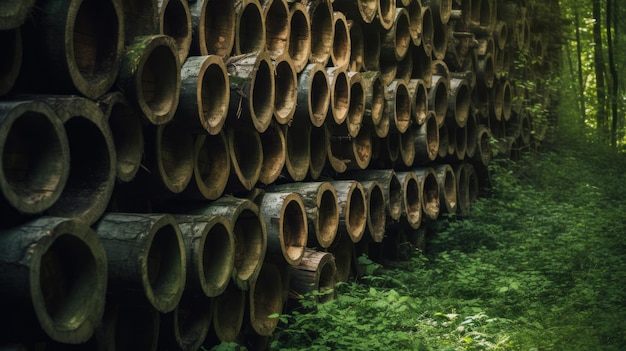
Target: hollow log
<point x="228" y="312"/>
<point x="127" y="133"/>
<point x="361" y="10"/>
<point x="313" y="95"/>
<point x="286" y="85"/>
<point x="141" y="18"/>
<point x="92" y="159"/>
<point x="485" y="72"/>
<point x="352" y="206"/>
<point x="316" y="272"/>
<point x="404" y="69"/>
<point x="322" y="31"/>
<point x="442" y="150"/>
<point x="391" y="188"/>
<point x="343" y="251"/>
<point x="210" y="251"/>
<point x="299" y="36"/>
<point x="458" y="102"/>
<point x="276" y="16"/>
<point x="501" y="34"/>
<point x="422" y="67"/>
<point x="356" y="108"/>
<point x="211" y="168"/>
<point x="339" y="94"/>
<point x="429" y="192"/>
<point x="414" y="11"/>
<point x="319" y="140"/>
<point x="175" y="21"/>
<point x="374" y="97"/>
<point x="472" y="179"/>
<point x="146" y="258"/>
<point x="322" y="211"/>
<point x="213" y="27"/>
<point x="265" y="299"/>
<point x="398" y="105"/>
<point x="471" y="132"/>
<point x="440" y="8"/>
<point x="340" y="52"/>
<point x="54" y="274"/>
<point x="249" y="231"/>
<point x="428" y="31"/>
<point x="419" y="100"/>
<point x="460" y="139"/>
<point x="395" y="41"/>
<point x="287" y="231"/>
<point x="81" y="43"/>
<point x="375" y="210"/>
<point x="440" y="38"/>
<point x="411" y="202"/>
<point x="131" y="326"/>
<point x="406" y="147"/>
<point x="371" y="49"/>
<point x="438" y="97"/>
<point x="186" y="327"/>
<point x="386" y="151"/>
<point x="252" y="91"/>
<point x="356" y="153"/>
<point x="204" y="94"/>
<point x="274" y="148"/>
<point x="246" y="158"/>
<point x="357" y="47"/>
<point x="35" y="165"/>
<point x="14" y="14"/>
<point x="249" y="27"/>
<point x="298" y="156"/>
<point x="385" y="14"/>
<point x="427" y="140"/>
<point x="388" y="70"/>
<point x="150" y="77"/>
<point x="11" y="58"/>
<point x="447" y="188"/>
<point x="462" y="189"/>
<point x="483" y="153"/>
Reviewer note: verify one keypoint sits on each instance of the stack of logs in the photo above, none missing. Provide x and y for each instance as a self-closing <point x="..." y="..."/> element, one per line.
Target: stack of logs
<point x="175" y="172"/>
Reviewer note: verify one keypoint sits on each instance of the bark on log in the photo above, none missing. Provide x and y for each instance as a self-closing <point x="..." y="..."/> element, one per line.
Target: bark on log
<point x="447" y="188"/>
<point x="357" y="47"/>
<point x="131" y="327"/>
<point x="213" y="27"/>
<point x="249" y="27"/>
<point x="252" y="91"/>
<point x="150" y="77"/>
<point x="322" y="29"/>
<point x="54" y="274"/>
<point x="175" y="21"/>
<point x="186" y="327"/>
<point x="438" y="96"/>
<point x="276" y="17"/>
<point x="287" y="231"/>
<point x="211" y="168"/>
<point x="411" y="202"/>
<point x="12" y="58"/>
<point x="127" y="133"/>
<point x="340" y="52"/>
<point x="316" y="272"/>
<point x="299" y="36"/>
<point x="265" y="299"/>
<point x="249" y="231"/>
<point x="339" y="94"/>
<point x="146" y="257"/>
<point x="286" y="85"/>
<point x="274" y="148"/>
<point x="204" y="94"/>
<point x="321" y="205"/>
<point x="35" y="165"/>
<point x="228" y="312"/>
<point x="14" y="14"/>
<point x="398" y="105"/>
<point x="429" y="192"/>
<point x="141" y="18"/>
<point x="246" y="158"/>
<point x="395" y="41"/>
<point x="92" y="160"/>
<point x="313" y="95"/>
<point x="210" y="251"/>
<point x="352" y="206"/>
<point x="360" y="10"/>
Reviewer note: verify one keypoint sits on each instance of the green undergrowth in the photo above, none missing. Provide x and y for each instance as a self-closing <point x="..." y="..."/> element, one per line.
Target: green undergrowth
<point x="539" y="264"/>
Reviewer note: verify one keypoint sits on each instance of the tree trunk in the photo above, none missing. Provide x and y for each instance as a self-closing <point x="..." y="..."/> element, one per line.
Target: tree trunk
<point x="581" y="84"/>
<point x="613" y="94"/>
<point x="599" y="64"/>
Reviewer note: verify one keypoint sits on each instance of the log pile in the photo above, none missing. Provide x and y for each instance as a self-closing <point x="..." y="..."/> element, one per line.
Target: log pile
<point x="174" y="172"/>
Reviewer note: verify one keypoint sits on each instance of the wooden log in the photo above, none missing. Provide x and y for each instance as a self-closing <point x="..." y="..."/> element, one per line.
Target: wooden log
<point x="385" y="14"/>
<point x="428" y="30"/>
<point x="357" y="47"/>
<point x="249" y="231"/>
<point x="438" y="96"/>
<point x="398" y="105"/>
<point x="352" y="206"/>
<point x="485" y="73"/>
<point x="343" y="250"/>
<point x="127" y="133"/>
<point x="146" y="257"/>
<point x="316" y="273"/>
<point x="186" y="327"/>
<point x="14" y="14"/>
<point x="210" y="251"/>
<point x="442" y="150"/>
<point x="175" y="21"/>
<point x="249" y="27"/>
<point x="252" y="91"/>
<point x="11" y="58"/>
<point x="458" y="102"/>
<point x="374" y="97"/>
<point x="429" y="192"/>
<point x="395" y="41"/>
<point x="375" y="210"/>
<point x="141" y="18"/>
<point x="422" y="68"/>
<point x="211" y="168"/>
<point x="362" y="10"/>
<point x="356" y="108"/>
<point x="299" y="36"/>
<point x="472" y="179"/>
<point x="484" y="153"/>
<point x="440" y="38"/>
<point x="471" y="132"/>
<point x="298" y="156"/>
<point x="411" y="202"/>
<point x="404" y="69"/>
<point x="419" y="100"/>
<point x="322" y="212"/>
<point x="414" y="10"/>
<point x="460" y="44"/>
<point x="441" y="8"/>
<point x="287" y="231"/>
<point x="355" y="153"/>
<point x="319" y="140"/>
<point x="427" y="140"/>
<point x="386" y="151"/>
<point x="131" y="326"/>
<point x="228" y="312"/>
<point x="407" y="147"/>
<point x="388" y="69"/>
<point x="462" y="189"/>
<point x="35" y="165"/>
<point x="150" y="77"/>
<point x="204" y="94"/>
<point x="92" y="159"/>
<point x="246" y="158"/>
<point x="313" y="95"/>
<point x="339" y="94"/>
<point x="460" y="139"/>
<point x="447" y="188"/>
<point x="276" y="17"/>
<point x="213" y="27"/>
<point x="371" y="49"/>
<point x="391" y="188"/>
<point x="322" y="29"/>
<point x="340" y="52"/>
<point x="286" y="85"/>
<point x="274" y="148"/>
<point x="54" y="274"/>
<point x="265" y="299"/>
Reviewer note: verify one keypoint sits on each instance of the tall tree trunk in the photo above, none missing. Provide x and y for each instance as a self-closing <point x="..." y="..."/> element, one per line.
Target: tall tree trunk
<point x="613" y="96"/>
<point x="581" y="82"/>
<point x="599" y="65"/>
